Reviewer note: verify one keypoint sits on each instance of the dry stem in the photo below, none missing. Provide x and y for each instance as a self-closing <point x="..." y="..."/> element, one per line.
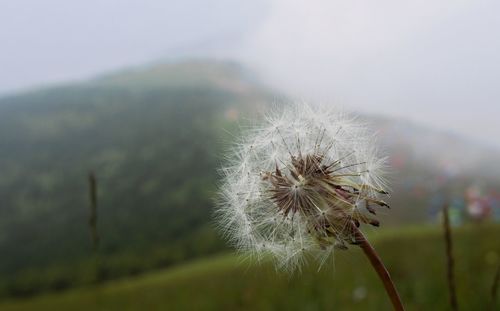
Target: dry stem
<point x="494" y="287"/>
<point x="93" y="210"/>
<point x="379" y="267"/>
<point x="450" y="262"/>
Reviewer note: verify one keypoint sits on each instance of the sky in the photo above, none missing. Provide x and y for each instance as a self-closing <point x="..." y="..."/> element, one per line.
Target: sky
<point x="46" y="41"/>
<point x="433" y="62"/>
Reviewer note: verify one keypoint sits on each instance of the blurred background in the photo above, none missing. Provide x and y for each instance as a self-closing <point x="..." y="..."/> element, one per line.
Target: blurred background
<point x="115" y="115"/>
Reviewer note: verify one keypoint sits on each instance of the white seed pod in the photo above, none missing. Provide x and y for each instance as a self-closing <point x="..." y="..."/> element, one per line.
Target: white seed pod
<point x="294" y="184"/>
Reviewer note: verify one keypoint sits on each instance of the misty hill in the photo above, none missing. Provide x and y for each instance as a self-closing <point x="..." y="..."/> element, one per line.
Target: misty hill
<point x="428" y="167"/>
<point x="154" y="144"/>
<point x="154" y="138"/>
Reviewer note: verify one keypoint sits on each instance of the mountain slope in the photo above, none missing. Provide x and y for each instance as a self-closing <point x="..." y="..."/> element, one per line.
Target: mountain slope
<point x="153" y="146"/>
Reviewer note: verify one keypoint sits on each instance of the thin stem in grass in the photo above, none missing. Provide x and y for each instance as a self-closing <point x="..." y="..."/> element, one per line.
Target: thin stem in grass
<point x="93" y="210"/>
<point x="494" y="287"/>
<point x="379" y="267"/>
<point x="450" y="261"/>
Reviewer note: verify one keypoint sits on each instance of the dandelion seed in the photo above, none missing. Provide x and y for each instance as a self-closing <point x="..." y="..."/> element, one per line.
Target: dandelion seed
<point x="301" y="184"/>
<point x="311" y="168"/>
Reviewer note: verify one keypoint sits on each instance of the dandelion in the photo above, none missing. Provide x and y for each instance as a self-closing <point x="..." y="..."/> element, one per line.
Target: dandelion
<point x="300" y="185"/>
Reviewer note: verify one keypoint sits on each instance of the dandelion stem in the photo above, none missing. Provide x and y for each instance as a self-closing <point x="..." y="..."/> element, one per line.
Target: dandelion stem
<point x="450" y="261"/>
<point x="379" y="267"/>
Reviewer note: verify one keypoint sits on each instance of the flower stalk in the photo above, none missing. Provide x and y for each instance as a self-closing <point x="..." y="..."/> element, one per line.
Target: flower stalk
<point x="379" y="267"/>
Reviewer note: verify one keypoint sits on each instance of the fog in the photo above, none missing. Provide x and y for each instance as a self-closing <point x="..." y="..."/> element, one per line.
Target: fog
<point x="433" y="62"/>
<point x="52" y="41"/>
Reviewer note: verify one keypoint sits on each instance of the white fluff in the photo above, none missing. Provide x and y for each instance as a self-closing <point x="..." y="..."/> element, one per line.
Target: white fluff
<point x="246" y="215"/>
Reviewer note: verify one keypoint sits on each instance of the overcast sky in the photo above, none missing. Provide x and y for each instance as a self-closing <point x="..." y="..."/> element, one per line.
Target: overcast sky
<point x="435" y="62"/>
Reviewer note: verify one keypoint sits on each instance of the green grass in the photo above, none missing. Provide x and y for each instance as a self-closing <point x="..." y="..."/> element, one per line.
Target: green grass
<point x="414" y="258"/>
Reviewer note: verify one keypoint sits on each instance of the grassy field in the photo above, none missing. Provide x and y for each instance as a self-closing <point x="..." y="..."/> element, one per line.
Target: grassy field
<point x="414" y="258"/>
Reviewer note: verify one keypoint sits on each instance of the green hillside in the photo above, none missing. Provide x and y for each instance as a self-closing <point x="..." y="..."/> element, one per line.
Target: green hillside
<point x="414" y="257"/>
<point x="153" y="137"/>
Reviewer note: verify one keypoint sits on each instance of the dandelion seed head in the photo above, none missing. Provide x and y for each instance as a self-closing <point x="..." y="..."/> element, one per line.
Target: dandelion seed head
<point x="293" y="184"/>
